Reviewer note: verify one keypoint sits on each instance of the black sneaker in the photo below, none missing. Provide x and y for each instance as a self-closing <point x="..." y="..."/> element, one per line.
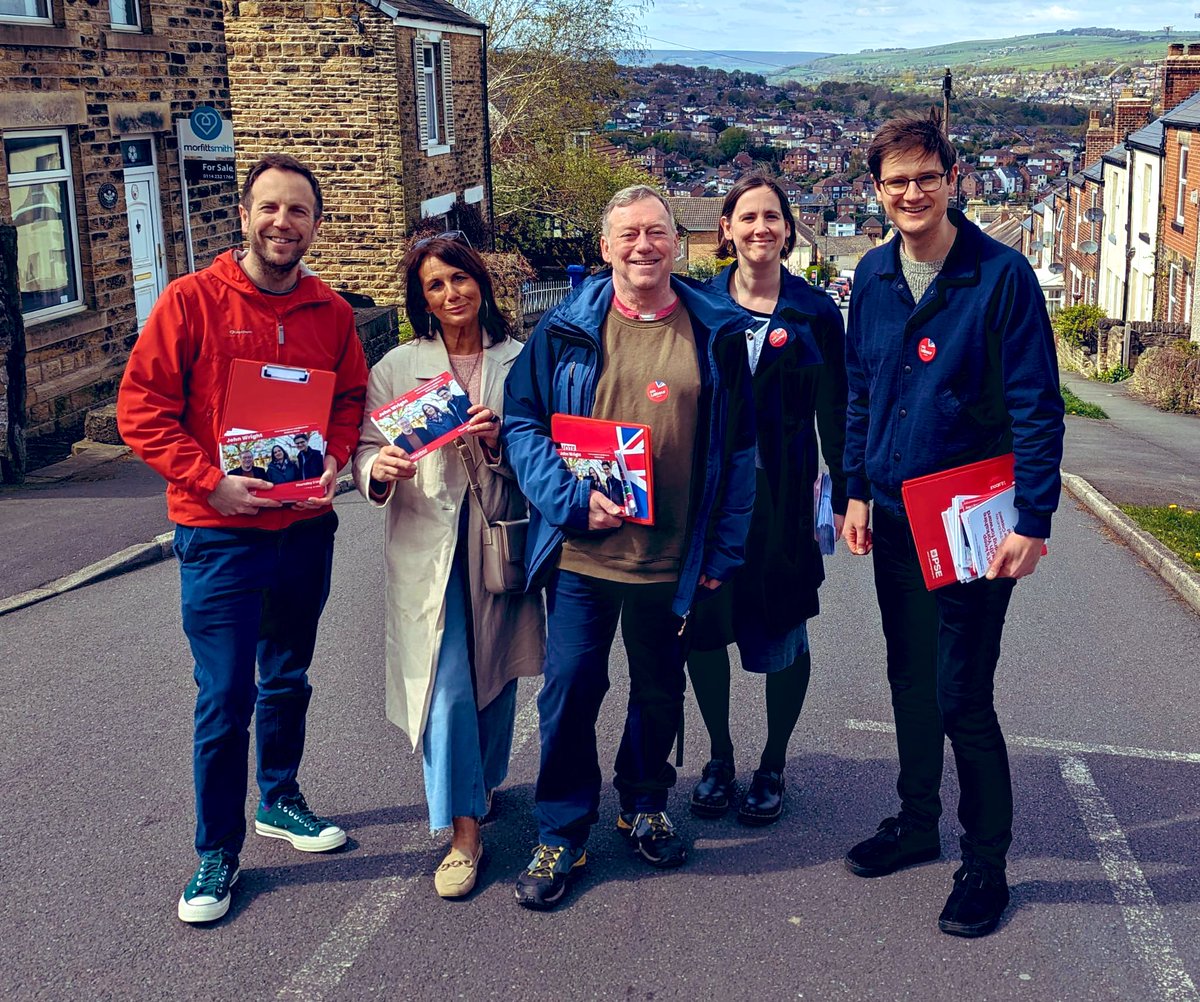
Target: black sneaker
<point x="653" y="838"/>
<point x="898" y="843"/>
<point x="711" y="796"/>
<point x="543" y="882"/>
<point x="206" y="897"/>
<point x="978" y="900"/>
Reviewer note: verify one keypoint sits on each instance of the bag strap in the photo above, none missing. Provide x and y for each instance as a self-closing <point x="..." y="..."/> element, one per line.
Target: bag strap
<point x="464" y="453"/>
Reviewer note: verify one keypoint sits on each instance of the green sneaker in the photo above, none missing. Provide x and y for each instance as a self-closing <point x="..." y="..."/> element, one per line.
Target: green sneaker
<point x="290" y="818"/>
<point x="206" y="897"/>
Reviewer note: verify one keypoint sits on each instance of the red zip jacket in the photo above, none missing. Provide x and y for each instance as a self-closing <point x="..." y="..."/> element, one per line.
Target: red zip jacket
<point x="173" y="393"/>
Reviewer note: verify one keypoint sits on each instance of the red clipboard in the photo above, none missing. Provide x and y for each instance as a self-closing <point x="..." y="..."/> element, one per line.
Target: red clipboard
<point x="267" y="407"/>
<point x="629" y="444"/>
<point x="925" y="498"/>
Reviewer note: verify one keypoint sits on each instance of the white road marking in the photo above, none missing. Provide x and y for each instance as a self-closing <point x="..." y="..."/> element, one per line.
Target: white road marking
<point x="324" y="970"/>
<point x="1144" y="920"/>
<point x="333" y="958"/>
<point x="1053" y="744"/>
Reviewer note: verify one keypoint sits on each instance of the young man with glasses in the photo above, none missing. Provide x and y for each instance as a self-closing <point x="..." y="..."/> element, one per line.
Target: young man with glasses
<point x="950" y="360"/>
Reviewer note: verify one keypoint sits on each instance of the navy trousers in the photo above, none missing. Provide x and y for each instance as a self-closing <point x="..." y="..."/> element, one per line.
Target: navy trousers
<point x="942" y="651"/>
<point x="248" y="596"/>
<point x="581" y="620"/>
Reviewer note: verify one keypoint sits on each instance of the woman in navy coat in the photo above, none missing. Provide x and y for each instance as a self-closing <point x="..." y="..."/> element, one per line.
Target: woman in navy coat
<point x="796" y="352"/>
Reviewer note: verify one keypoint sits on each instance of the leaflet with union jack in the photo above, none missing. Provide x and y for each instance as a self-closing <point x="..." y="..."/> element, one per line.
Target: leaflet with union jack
<point x="629" y="444"/>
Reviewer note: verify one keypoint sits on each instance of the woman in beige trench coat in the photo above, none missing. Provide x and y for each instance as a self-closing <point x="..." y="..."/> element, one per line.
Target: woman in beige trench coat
<point x="454" y="650"/>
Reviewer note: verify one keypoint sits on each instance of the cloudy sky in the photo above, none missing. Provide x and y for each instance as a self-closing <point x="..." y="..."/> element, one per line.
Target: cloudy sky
<point x="789" y="25"/>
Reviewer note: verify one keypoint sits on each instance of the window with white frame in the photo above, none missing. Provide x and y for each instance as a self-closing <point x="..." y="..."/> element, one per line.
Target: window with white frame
<point x="1075" y="239"/>
<point x="1147" y="180"/>
<point x="25" y="10"/>
<point x="123" y="15"/>
<point x="1172" y="294"/>
<point x="1181" y="187"/>
<point x="41" y="192"/>
<point x="1187" y="300"/>
<point x="435" y="101"/>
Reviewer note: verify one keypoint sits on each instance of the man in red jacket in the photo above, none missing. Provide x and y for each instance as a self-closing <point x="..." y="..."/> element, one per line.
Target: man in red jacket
<point x="255" y="573"/>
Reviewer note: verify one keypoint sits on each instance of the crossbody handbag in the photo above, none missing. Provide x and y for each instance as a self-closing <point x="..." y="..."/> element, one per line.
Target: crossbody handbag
<point x="503" y="542"/>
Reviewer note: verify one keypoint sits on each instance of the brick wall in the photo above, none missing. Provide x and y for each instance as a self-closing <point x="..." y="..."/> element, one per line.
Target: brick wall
<point x="1177" y="242"/>
<point x="100" y="84"/>
<point x="307" y="82"/>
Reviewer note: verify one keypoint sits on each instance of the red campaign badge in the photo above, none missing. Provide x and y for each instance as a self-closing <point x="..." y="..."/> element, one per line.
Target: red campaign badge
<point x="777" y="337"/>
<point x="657" y="391"/>
<point x="926" y="350"/>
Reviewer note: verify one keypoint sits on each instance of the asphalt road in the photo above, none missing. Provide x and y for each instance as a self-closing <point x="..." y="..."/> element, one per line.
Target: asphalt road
<point x="1098" y="689"/>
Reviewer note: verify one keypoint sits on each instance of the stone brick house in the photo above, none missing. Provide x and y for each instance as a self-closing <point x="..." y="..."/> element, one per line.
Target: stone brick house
<point x="90" y="177"/>
<point x="698" y="221"/>
<point x="386" y="100"/>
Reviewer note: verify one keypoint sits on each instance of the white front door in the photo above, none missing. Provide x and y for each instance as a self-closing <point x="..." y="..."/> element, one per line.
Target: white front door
<point x="145" y="226"/>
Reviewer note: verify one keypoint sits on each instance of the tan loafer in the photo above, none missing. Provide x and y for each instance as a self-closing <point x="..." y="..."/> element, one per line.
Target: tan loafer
<point x="455" y="877"/>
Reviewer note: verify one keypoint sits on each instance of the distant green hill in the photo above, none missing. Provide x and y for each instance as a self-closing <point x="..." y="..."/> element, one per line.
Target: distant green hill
<point x="745" y="60"/>
<point x="1075" y="47"/>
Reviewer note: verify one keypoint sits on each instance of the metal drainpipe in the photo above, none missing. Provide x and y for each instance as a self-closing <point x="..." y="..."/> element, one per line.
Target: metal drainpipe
<point x="487" y="145"/>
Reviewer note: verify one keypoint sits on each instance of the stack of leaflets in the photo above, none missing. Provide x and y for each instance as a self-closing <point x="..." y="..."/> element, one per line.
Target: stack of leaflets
<point x="976" y="525"/>
<point x="824" y="531"/>
<point x="959" y="518"/>
<point x="426" y="417"/>
<point x="617" y="458"/>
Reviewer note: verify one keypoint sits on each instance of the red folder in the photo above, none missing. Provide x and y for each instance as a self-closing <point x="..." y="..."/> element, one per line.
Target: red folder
<point x="629" y="444"/>
<point x="266" y="406"/>
<point x="925" y="498"/>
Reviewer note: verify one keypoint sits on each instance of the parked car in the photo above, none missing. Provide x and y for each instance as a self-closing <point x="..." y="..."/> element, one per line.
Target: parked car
<point x="838" y="292"/>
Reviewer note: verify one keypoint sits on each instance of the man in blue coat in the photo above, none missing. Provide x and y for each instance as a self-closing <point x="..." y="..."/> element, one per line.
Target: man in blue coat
<point x="639" y="346"/>
<point x="950" y="360"/>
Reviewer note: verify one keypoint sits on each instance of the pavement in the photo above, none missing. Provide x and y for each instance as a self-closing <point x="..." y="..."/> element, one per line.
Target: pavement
<point x="102" y="511"/>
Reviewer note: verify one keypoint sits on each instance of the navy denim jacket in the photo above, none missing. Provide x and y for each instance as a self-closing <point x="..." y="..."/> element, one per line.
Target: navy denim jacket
<point x="967" y="373"/>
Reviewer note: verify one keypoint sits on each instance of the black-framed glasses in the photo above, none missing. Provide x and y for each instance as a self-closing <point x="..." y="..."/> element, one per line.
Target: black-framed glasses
<point x="926" y="182"/>
<point x="456" y="235"/>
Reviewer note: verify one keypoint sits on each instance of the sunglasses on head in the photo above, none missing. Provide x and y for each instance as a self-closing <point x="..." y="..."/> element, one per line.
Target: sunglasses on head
<point x="458" y="236"/>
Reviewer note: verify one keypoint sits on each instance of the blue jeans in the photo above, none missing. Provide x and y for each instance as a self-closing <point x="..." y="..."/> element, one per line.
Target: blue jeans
<point x="581" y="620"/>
<point x="250" y="595"/>
<point x="465" y="749"/>
<point x="942" y="651"/>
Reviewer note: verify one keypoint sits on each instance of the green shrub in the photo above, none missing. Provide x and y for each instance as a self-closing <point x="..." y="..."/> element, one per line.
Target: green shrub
<point x="703" y="269"/>
<point x="1076" y="325"/>
<point x="1117" y="374"/>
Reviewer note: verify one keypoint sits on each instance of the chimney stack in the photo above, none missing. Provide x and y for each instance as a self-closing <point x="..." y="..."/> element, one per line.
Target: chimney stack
<point x="1181" y="74"/>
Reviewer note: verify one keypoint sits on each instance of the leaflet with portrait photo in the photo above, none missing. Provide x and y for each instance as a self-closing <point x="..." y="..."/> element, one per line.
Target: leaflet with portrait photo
<point x="279" y="456"/>
<point x="426" y="417"/>
<point x="608" y="476"/>
<point x="628" y="445"/>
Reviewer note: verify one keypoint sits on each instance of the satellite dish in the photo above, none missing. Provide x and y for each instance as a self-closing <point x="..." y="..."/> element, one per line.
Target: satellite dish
<point x="1036" y="244"/>
<point x="1055" y="269"/>
<point x="1094" y="214"/>
<point x="1090" y="247"/>
<point x="1033" y="258"/>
